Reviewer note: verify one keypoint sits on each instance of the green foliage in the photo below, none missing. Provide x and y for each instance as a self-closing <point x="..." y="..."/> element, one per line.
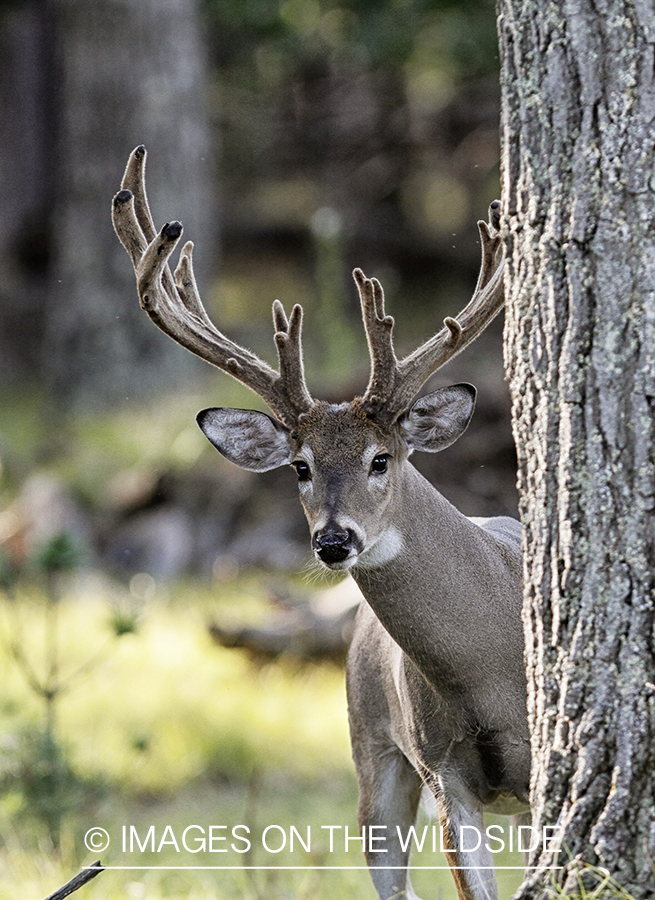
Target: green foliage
<point x="378" y="32"/>
<point x="36" y="768"/>
<point x="38" y="781"/>
<point x="8" y="571"/>
<point x="59" y="554"/>
<point x="123" y="619"/>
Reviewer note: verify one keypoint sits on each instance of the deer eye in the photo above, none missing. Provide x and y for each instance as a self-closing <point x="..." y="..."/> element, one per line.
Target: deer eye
<point x="379" y="464"/>
<point x="303" y="471"/>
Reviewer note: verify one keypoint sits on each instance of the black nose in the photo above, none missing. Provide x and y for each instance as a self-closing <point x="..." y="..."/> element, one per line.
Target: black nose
<point x="332" y="546"/>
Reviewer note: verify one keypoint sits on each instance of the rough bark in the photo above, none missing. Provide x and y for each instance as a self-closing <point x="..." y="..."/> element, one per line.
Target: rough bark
<point x="578" y="153"/>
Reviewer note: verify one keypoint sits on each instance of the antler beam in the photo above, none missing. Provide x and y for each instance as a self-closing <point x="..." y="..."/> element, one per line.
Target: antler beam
<point x="174" y="305"/>
<point x="394" y="383"/>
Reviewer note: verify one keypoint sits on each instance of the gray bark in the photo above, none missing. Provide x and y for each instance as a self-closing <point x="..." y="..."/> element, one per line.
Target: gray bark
<point x="578" y="160"/>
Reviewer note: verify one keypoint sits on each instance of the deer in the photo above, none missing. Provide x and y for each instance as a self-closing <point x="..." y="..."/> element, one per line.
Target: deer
<point x="435" y="673"/>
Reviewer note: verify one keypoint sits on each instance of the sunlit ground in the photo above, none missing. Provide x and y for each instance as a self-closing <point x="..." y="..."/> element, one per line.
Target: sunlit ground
<point x="173" y="741"/>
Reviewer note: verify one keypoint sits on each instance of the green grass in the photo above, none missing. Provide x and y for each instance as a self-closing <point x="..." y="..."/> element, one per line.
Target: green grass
<point x="163" y="728"/>
<point x="165" y="705"/>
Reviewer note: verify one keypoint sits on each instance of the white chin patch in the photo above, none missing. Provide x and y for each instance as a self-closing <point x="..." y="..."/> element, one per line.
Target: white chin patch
<point x="342" y="565"/>
<point x="386" y="548"/>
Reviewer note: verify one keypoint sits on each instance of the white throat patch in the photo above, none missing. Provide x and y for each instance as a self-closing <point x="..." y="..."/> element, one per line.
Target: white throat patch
<point x="386" y="548"/>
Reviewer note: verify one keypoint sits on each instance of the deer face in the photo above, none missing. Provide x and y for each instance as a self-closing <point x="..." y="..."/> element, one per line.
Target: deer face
<point x="350" y="470"/>
<point x="348" y="475"/>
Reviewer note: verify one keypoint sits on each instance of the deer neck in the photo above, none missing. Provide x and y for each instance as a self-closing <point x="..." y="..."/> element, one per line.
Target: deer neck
<point x="439" y="584"/>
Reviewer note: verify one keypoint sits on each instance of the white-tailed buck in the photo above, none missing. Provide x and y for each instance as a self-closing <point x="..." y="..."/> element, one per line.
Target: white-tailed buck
<point x="436" y="682"/>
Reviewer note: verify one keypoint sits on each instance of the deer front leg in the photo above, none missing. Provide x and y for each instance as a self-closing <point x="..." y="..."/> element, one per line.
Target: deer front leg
<point x="389" y="793"/>
<point x="464" y="839"/>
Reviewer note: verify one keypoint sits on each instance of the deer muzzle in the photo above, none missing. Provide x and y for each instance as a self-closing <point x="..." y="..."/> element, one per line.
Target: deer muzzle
<point x="334" y="545"/>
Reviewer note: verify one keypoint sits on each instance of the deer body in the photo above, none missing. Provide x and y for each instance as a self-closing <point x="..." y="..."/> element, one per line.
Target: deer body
<point x="440" y="709"/>
<point x="435" y="674"/>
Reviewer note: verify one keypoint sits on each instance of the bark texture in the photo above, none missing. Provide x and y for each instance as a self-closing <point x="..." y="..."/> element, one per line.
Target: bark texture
<point x="578" y="152"/>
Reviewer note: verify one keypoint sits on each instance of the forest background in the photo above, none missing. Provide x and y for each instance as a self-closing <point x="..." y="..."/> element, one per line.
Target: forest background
<point x="295" y="141"/>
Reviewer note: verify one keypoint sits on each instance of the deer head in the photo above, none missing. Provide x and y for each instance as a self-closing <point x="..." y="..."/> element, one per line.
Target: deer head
<point x="350" y="458"/>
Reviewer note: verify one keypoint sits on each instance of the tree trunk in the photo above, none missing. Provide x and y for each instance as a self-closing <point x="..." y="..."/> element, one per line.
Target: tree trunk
<point x="85" y="82"/>
<point x="131" y="71"/>
<point x="578" y="168"/>
<point x="25" y="183"/>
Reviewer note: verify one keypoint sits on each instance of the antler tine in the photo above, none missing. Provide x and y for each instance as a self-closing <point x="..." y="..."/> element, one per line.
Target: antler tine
<point x="174" y="304"/>
<point x="414" y="370"/>
<point x="379" y="335"/>
<point x="491" y="245"/>
<point x="288" y="341"/>
<point x="134" y="179"/>
<point x="185" y="282"/>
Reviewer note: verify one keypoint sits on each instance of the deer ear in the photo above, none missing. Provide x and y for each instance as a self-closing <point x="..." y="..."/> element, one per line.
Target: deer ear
<point x="435" y="421"/>
<point x="250" y="439"/>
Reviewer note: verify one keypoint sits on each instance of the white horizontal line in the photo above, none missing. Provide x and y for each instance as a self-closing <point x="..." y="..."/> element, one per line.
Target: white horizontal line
<point x="304" y="868"/>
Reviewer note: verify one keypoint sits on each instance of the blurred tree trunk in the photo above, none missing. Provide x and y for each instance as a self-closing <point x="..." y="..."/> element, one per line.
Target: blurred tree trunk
<point x="111" y="74"/>
<point x="578" y="162"/>
<point x="26" y="127"/>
